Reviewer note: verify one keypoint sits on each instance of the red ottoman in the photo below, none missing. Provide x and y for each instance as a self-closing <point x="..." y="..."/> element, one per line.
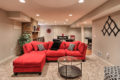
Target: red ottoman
<point x="30" y="62"/>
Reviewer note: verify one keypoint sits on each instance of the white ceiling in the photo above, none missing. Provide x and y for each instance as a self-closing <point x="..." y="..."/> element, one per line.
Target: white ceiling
<point x="52" y="11"/>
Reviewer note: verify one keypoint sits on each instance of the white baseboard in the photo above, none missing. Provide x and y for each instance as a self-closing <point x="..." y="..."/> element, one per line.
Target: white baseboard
<point x="104" y="60"/>
<point x="7" y="58"/>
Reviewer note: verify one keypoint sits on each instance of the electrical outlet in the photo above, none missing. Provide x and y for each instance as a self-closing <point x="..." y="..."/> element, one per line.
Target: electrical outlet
<point x="99" y="53"/>
<point x="107" y="56"/>
<point x="12" y="49"/>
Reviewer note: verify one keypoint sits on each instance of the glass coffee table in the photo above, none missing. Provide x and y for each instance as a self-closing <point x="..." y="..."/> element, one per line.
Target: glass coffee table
<point x="69" y="67"/>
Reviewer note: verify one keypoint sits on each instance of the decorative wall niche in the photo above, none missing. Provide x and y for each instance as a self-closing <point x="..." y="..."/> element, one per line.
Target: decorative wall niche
<point x="110" y="27"/>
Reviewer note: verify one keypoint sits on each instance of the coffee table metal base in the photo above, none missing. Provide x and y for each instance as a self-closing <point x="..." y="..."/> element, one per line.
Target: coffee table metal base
<point x="70" y="71"/>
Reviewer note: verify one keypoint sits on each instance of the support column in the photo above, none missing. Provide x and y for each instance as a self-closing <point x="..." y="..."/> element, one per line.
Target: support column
<point x="82" y="33"/>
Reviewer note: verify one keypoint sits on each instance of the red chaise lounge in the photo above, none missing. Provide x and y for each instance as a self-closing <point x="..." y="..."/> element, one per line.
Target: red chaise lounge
<point x="34" y="60"/>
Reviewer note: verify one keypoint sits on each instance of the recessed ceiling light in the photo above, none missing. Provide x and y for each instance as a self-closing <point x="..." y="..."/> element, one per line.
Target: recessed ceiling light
<point x="80" y="1"/>
<point x="22" y="1"/>
<point x="37" y="15"/>
<point x="85" y="22"/>
<point x="64" y="22"/>
<point x="55" y="22"/>
<point x="70" y="15"/>
<point x="67" y="20"/>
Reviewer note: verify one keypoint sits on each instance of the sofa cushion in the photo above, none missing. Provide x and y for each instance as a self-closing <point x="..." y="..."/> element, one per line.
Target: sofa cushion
<point x="68" y="43"/>
<point x="39" y="52"/>
<point x="73" y="53"/>
<point x="56" y="45"/>
<point x="50" y="43"/>
<point x="71" y="47"/>
<point x="57" y="53"/>
<point x="32" y="59"/>
<point x="28" y="47"/>
<point x="41" y="47"/>
<point x="36" y="43"/>
<point x="62" y="45"/>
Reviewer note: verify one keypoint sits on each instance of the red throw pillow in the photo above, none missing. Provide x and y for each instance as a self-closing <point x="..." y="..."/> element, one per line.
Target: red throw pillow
<point x="50" y="43"/>
<point x="62" y="45"/>
<point x="28" y="47"/>
<point x="81" y="47"/>
<point x="45" y="45"/>
<point x="78" y="42"/>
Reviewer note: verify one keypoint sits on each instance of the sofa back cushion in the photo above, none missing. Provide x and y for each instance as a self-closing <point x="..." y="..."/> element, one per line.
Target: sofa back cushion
<point x="27" y="47"/>
<point x="75" y="43"/>
<point x="36" y="43"/>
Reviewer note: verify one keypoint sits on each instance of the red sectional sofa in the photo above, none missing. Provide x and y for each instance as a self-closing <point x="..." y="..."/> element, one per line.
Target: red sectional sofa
<point x="33" y="60"/>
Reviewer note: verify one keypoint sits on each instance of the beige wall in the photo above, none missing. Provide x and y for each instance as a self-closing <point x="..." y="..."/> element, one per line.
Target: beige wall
<point x="58" y="30"/>
<point x="10" y="31"/>
<point x="87" y="33"/>
<point x="106" y="47"/>
<point x="48" y="37"/>
<point x="76" y="32"/>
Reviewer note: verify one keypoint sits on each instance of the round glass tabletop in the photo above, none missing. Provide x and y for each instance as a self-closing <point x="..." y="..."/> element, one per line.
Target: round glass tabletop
<point x="66" y="59"/>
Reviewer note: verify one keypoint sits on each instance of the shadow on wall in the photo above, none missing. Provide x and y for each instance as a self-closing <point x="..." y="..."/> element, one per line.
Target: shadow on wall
<point x="17" y="49"/>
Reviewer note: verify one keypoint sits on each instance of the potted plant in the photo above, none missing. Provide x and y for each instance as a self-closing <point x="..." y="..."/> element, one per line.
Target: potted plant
<point x="25" y="38"/>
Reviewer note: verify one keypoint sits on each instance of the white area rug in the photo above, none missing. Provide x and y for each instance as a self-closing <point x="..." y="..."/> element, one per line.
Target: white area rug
<point x="93" y="69"/>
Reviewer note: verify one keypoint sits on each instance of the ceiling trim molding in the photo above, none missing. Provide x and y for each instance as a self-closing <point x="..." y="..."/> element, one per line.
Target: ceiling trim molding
<point x="108" y="7"/>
